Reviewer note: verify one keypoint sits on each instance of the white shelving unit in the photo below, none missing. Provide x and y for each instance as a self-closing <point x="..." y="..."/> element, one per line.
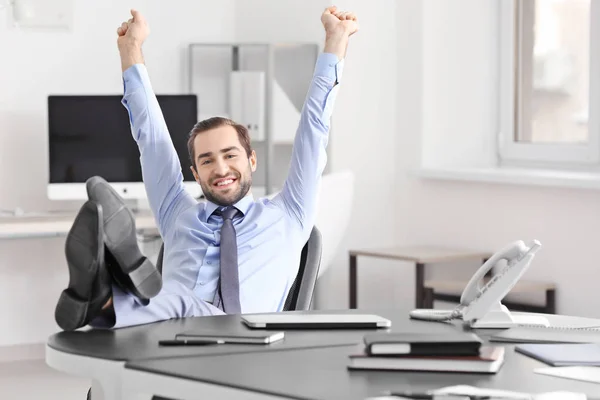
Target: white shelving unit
<point x="260" y="85"/>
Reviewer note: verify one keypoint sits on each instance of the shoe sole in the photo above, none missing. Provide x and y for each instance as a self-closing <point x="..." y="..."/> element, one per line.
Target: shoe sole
<point x="83" y="251"/>
<point x="121" y="240"/>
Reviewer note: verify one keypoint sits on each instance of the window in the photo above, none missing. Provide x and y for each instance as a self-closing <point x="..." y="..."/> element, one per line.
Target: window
<point x="548" y="48"/>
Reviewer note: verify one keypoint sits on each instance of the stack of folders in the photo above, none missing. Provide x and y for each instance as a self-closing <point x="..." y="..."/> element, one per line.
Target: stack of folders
<point x="455" y="352"/>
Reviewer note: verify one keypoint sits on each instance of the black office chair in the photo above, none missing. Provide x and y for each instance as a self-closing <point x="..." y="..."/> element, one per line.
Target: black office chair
<point x="301" y="293"/>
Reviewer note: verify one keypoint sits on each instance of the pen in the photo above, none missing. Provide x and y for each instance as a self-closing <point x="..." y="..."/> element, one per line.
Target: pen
<point x="429" y="396"/>
<point x="413" y="395"/>
<point x="194" y="342"/>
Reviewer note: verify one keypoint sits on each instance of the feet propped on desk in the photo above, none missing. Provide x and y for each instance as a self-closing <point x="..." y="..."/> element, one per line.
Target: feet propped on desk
<point x="89" y="281"/>
<point x="102" y="248"/>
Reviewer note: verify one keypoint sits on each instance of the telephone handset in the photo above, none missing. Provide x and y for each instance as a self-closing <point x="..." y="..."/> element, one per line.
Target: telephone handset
<point x="481" y="306"/>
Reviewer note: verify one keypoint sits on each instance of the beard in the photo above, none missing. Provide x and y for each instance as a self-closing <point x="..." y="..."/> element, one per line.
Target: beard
<point x="230" y="197"/>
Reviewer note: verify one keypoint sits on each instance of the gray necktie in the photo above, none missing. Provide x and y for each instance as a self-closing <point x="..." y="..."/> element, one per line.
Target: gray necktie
<point x="229" y="283"/>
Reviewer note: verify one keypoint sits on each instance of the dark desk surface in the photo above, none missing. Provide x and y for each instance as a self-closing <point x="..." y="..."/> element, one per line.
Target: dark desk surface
<point x="321" y="373"/>
<point x="318" y="371"/>
<point x="141" y="342"/>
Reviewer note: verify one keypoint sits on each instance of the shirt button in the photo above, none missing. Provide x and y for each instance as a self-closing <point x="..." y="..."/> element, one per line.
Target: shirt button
<point x="208" y="262"/>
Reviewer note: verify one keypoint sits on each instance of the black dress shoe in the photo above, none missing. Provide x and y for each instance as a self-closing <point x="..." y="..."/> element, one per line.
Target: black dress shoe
<point x="132" y="271"/>
<point x="89" y="282"/>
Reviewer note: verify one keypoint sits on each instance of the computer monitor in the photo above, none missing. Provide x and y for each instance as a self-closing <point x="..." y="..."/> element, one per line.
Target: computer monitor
<point x="91" y="135"/>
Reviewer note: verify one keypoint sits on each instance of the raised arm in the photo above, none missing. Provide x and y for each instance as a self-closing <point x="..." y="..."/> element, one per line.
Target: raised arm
<point x="300" y="190"/>
<point x="161" y="169"/>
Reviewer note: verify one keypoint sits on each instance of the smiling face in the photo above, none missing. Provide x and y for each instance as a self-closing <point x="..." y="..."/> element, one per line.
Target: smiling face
<point x="223" y="168"/>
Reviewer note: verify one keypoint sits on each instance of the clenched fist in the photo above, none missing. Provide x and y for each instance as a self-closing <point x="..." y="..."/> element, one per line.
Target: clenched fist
<point x="338" y="22"/>
<point x="134" y="31"/>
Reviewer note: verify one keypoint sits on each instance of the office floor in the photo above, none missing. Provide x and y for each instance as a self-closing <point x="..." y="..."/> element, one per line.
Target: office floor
<point x="33" y="379"/>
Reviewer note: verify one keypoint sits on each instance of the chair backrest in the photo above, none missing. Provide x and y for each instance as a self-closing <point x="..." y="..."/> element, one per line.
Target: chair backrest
<point x="301" y="293"/>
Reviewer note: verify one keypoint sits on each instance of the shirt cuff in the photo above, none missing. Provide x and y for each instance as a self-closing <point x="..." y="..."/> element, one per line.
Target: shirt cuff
<point x="134" y="77"/>
<point x="329" y="66"/>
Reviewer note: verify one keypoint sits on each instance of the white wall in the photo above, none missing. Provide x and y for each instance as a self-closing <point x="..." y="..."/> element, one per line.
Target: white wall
<point x="363" y="128"/>
<point x="84" y="60"/>
<point x="460" y="71"/>
<point x="460" y="105"/>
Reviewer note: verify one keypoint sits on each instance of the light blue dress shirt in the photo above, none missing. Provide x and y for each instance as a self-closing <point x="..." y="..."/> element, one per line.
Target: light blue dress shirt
<point x="270" y="233"/>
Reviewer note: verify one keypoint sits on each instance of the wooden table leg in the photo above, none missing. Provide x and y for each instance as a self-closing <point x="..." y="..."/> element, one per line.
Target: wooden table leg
<point x="419" y="285"/>
<point x="352" y="280"/>
<point x="551" y="301"/>
<point x="428" y="298"/>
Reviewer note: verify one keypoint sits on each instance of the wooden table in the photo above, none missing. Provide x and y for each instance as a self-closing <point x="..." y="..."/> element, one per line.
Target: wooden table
<point x="451" y="290"/>
<point x="420" y="256"/>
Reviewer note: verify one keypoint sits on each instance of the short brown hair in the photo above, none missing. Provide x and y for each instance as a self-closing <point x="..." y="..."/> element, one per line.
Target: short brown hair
<point x="215" y="122"/>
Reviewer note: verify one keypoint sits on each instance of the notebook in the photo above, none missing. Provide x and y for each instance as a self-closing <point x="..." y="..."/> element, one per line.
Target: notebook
<point x="489" y="361"/>
<point x="563" y="355"/>
<point x="458" y="344"/>
<point x="315" y="321"/>
<point x="248" y="337"/>
<point x="545" y="335"/>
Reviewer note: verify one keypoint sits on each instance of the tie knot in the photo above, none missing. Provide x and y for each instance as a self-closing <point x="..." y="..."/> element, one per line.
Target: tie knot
<point x="229" y="212"/>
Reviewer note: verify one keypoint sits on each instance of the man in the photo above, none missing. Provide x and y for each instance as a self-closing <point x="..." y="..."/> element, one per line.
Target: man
<point x="230" y="254"/>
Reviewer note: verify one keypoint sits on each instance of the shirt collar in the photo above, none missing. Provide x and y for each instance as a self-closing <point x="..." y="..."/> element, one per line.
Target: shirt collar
<point x="243" y="205"/>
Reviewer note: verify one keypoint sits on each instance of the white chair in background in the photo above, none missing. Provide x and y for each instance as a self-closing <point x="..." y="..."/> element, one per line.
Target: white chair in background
<point x="333" y="213"/>
<point x="333" y="217"/>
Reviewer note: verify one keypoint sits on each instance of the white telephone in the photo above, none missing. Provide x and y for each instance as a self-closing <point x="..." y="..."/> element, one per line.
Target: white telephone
<point x="481" y="307"/>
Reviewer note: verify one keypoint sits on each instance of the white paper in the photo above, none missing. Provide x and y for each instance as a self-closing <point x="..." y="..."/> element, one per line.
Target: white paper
<point x="441" y="397"/>
<point x="504" y="394"/>
<point x="560" y="396"/>
<point x="579" y="373"/>
<point x="474" y="391"/>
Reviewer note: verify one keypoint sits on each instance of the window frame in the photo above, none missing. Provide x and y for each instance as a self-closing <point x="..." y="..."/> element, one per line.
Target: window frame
<point x="512" y="152"/>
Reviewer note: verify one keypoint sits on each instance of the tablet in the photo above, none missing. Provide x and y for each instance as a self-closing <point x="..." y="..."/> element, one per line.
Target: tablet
<point x="318" y="321"/>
